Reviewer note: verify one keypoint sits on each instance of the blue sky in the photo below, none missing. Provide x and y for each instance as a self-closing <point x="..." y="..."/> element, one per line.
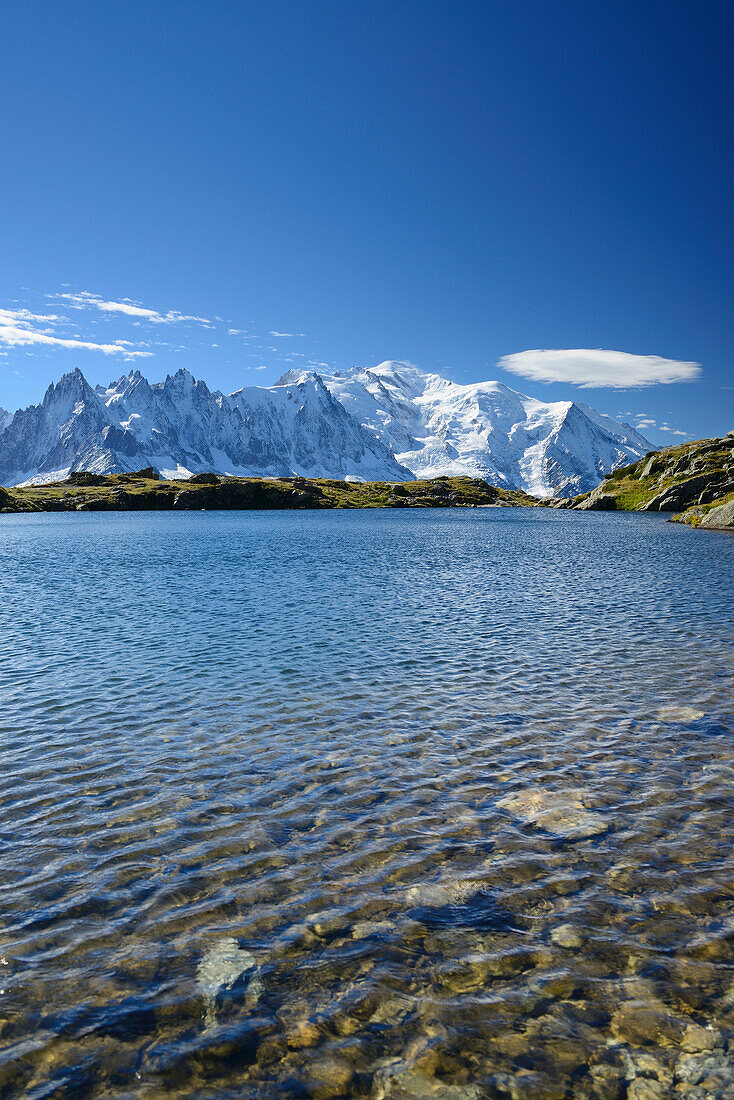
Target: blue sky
<point x="285" y="184"/>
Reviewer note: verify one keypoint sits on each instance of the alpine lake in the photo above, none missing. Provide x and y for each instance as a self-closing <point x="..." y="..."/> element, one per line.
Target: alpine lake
<point x="387" y="804"/>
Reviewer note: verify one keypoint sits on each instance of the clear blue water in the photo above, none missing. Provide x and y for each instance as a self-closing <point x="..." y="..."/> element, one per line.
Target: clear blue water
<point x="377" y="803"/>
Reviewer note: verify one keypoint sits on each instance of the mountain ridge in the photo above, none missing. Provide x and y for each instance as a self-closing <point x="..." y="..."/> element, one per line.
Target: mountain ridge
<point x="182" y="427"/>
<point x="389" y="422"/>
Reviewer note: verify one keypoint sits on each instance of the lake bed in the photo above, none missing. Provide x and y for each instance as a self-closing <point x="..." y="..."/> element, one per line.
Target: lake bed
<point x="370" y="804"/>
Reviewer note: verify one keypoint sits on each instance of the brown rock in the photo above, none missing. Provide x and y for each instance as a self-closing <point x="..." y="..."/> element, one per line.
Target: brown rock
<point x="641" y="1024"/>
<point x="697" y="1038"/>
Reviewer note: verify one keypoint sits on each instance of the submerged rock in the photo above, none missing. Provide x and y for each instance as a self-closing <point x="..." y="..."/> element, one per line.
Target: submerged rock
<point x="568" y="936"/>
<point x="221" y="967"/>
<point x="679" y="714"/>
<point x="479" y="910"/>
<point x="713" y="1072"/>
<point x="645" y="1088"/>
<point x="697" y="1039"/>
<point x="559" y="812"/>
<point x="643" y="1023"/>
<point x="402" y="1081"/>
<point x="329" y="1077"/>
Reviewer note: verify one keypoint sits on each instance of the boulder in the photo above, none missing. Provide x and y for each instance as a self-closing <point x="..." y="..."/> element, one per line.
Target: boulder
<point x="598" y="500"/>
<point x="84" y="477"/>
<point x="685" y="493"/>
<point x="204" y="479"/>
<point x="720" y="518"/>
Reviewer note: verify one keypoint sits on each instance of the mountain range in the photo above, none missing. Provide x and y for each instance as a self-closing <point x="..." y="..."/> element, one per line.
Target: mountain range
<point x="391" y="422"/>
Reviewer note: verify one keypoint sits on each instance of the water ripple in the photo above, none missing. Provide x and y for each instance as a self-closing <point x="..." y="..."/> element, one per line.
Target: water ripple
<point x="440" y="804"/>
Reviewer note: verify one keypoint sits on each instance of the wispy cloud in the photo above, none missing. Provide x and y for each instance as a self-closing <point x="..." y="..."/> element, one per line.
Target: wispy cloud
<point x="85" y="300"/>
<point x="80" y="319"/>
<point x="19" y="328"/>
<point x="599" y="368"/>
<point x="642" y="421"/>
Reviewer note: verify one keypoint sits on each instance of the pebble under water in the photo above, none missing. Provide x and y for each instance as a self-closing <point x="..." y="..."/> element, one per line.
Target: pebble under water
<point x="366" y="804"/>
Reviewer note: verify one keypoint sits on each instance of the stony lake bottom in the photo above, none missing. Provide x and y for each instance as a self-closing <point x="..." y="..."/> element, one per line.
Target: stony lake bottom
<point x="374" y="804"/>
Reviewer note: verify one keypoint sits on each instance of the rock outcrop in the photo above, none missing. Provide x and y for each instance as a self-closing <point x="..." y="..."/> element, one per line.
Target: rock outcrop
<point x="695" y="479"/>
<point x="720" y="518"/>
<point x="598" y="500"/>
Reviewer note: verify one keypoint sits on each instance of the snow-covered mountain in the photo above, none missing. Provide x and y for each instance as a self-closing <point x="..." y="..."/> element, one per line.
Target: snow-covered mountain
<point x="181" y="427"/>
<point x="391" y="422"/>
<point x="434" y="426"/>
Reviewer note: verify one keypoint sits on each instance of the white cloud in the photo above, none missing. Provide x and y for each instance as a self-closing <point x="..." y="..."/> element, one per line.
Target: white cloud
<point x="590" y="368"/>
<point x="26" y="315"/>
<point x="642" y="420"/>
<point x="85" y="300"/>
<point x="18" y="329"/>
<point x="673" y="431"/>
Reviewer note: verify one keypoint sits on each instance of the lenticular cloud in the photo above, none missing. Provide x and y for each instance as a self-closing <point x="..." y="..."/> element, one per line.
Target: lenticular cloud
<point x="588" y="368"/>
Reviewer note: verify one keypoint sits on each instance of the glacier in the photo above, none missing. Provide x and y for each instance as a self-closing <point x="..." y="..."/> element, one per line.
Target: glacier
<point x="392" y="422"/>
<point x="437" y="427"/>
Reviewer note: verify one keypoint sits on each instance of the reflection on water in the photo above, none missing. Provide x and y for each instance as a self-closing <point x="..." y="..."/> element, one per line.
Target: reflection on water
<point x="366" y="805"/>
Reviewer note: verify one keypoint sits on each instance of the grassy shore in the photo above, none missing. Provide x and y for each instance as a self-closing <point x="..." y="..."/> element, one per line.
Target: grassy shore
<point x="144" y="491"/>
